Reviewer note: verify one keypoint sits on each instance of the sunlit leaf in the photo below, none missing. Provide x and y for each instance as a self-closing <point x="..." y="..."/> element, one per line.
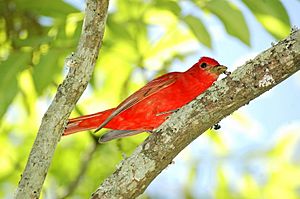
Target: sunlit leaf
<point x="33" y="41"/>
<point x="272" y="15"/>
<point x="51" y="8"/>
<point x="27" y="91"/>
<point x="190" y="180"/>
<point x="284" y="146"/>
<point x="118" y="29"/>
<point x="232" y="18"/>
<point x="168" y="45"/>
<point x="8" y="81"/>
<point x="44" y="72"/>
<point x="221" y="146"/>
<point x="7" y="95"/>
<point x="222" y="189"/>
<point x="169" y="5"/>
<point x="250" y="187"/>
<point x="73" y="21"/>
<point x="198" y="28"/>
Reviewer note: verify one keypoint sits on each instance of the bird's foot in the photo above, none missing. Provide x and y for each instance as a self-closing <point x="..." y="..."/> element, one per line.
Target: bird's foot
<point x="216" y="126"/>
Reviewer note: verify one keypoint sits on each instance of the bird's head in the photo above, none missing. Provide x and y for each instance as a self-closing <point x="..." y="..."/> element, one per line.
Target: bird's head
<point x="207" y="68"/>
<point x="211" y="66"/>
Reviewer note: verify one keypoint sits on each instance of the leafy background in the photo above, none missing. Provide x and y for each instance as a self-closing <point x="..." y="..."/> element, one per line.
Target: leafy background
<point x="254" y="154"/>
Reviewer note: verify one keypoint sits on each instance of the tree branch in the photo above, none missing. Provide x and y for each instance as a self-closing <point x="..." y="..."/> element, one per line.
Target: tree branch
<point x="135" y="173"/>
<point x="65" y="99"/>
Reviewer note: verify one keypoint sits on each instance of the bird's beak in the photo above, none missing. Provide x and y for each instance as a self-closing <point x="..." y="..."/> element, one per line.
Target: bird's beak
<point x="218" y="70"/>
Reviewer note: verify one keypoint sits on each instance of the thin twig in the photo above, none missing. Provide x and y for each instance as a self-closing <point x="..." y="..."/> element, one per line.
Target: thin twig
<point x="86" y="159"/>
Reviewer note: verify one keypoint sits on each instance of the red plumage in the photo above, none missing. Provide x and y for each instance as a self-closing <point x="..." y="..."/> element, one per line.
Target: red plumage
<point x="149" y="106"/>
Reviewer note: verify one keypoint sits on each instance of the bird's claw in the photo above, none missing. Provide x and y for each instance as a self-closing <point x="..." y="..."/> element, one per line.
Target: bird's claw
<point x="216" y="126"/>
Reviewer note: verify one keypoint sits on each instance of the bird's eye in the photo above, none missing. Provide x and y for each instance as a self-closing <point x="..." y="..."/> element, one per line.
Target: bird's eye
<point x="203" y="65"/>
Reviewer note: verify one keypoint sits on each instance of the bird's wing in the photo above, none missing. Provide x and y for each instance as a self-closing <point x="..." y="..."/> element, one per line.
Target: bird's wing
<point x="149" y="89"/>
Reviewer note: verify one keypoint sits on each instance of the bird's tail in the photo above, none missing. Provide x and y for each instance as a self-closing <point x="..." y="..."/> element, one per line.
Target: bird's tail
<point x="86" y="122"/>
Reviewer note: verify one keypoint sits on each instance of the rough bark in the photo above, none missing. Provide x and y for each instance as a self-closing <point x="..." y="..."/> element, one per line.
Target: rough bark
<point x="67" y="95"/>
<point x="247" y="82"/>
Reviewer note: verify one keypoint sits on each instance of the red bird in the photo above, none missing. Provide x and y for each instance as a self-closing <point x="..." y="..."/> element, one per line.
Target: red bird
<point x="149" y="107"/>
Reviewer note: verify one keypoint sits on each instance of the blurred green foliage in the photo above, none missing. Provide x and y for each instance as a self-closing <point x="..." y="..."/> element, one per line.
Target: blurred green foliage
<point x="142" y="40"/>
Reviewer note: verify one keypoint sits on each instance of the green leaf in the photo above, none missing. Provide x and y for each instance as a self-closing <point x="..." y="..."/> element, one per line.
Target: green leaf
<point x="190" y="180"/>
<point x="15" y="63"/>
<point x="118" y="29"/>
<point x="51" y="8"/>
<point x="231" y="17"/>
<point x="44" y="72"/>
<point x="198" y="29"/>
<point x="272" y="15"/>
<point x="7" y="95"/>
<point x="33" y="41"/>
<point x="169" y="5"/>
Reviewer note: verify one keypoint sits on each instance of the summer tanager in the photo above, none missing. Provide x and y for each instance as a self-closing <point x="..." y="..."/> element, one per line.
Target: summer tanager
<point x="150" y="106"/>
